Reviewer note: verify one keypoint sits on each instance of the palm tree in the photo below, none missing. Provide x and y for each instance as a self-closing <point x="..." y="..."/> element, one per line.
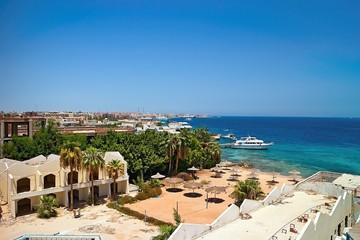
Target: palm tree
<point x="181" y="150"/>
<point x="114" y="167"/>
<point x="170" y="147"/>
<point x="92" y="162"/>
<point x="248" y="189"/>
<point x="47" y="207"/>
<point x="71" y="156"/>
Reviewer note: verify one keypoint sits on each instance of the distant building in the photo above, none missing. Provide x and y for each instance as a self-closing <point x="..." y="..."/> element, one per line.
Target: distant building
<point x="22" y="184"/>
<point x="18" y="126"/>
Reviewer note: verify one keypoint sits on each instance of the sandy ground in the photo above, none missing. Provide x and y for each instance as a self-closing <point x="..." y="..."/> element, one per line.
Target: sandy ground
<point x="195" y="209"/>
<point x="110" y="224"/>
<point x="97" y="220"/>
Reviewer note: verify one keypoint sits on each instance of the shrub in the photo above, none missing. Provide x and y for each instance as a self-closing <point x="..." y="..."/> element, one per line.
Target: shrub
<point x="152" y="192"/>
<point x="144" y="187"/>
<point x="153" y="183"/>
<point x="158" y="191"/>
<point x="141" y="196"/>
<point x="126" y="199"/>
<point x="47" y="208"/>
<point x="185" y="176"/>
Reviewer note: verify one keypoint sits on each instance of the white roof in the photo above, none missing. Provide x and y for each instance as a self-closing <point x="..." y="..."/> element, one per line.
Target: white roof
<point x="348" y="181"/>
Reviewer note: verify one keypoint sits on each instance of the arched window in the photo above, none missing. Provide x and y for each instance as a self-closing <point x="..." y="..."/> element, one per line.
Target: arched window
<point x="49" y="181"/>
<point x="23" y="185"/>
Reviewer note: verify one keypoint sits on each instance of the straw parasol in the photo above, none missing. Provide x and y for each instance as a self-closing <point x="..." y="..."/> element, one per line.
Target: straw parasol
<point x="215" y="190"/>
<point x="294" y="174"/>
<point x="225" y="164"/>
<point x="193" y="168"/>
<point x="157" y="176"/>
<point x="174" y="181"/>
<point x="274" y="174"/>
<point x="193" y="185"/>
<point x="253" y="176"/>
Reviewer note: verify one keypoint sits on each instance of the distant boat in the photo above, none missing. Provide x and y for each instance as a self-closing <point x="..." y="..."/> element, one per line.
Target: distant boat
<point x="216" y="136"/>
<point x="188" y="119"/>
<point x="251" y="143"/>
<point x="230" y="136"/>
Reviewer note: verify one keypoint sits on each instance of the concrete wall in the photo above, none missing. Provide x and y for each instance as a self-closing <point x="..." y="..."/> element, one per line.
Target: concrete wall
<point x="324" y="225"/>
<point x="188" y="231"/>
<point x="325" y="188"/>
<point x="250" y="205"/>
<point x="228" y="216"/>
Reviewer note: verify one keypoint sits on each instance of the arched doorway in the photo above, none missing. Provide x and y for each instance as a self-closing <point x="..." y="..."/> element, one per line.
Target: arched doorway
<point x="339" y="229"/>
<point x="96" y="191"/>
<point x="112" y="188"/>
<point x="96" y="176"/>
<point x="75" y="177"/>
<point x="76" y="198"/>
<point x="23" y="185"/>
<point x="24" y="206"/>
<point x="49" y="181"/>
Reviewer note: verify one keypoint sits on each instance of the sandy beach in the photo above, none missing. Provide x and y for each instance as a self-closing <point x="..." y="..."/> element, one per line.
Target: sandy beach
<point x="110" y="224"/>
<point x="195" y="209"/>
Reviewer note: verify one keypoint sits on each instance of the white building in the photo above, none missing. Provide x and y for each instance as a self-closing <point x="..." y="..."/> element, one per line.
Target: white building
<point x="323" y="207"/>
<point x="23" y="183"/>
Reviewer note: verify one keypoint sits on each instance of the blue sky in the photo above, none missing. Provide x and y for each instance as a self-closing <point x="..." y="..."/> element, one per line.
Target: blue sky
<point x="258" y="58"/>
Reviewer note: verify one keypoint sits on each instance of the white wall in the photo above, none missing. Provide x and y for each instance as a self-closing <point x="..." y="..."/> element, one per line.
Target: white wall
<point x="228" y="216"/>
<point x="188" y="231"/>
<point x="325" y="188"/>
<point x="250" y="205"/>
<point x="324" y="225"/>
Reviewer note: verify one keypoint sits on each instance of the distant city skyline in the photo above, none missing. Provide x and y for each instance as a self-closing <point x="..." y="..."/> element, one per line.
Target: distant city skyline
<point x="229" y="58"/>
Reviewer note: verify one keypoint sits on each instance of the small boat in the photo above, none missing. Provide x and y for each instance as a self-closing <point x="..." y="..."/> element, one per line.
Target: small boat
<point x="251" y="143"/>
<point x="230" y="136"/>
<point x="216" y="136"/>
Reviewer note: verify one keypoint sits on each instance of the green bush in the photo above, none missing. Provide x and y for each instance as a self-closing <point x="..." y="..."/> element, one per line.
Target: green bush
<point x="165" y="232"/>
<point x="152" y="192"/>
<point x="137" y="215"/>
<point x="144" y="187"/>
<point x="47" y="208"/>
<point x="126" y="199"/>
<point x="158" y="191"/>
<point x="141" y="196"/>
<point x="154" y="183"/>
<point x="185" y="176"/>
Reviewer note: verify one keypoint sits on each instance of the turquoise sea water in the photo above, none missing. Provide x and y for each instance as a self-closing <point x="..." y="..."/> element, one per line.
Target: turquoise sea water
<point x="305" y="144"/>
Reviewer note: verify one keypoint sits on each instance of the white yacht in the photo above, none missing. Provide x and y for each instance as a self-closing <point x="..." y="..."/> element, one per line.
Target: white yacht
<point x="251" y="143"/>
<point x="230" y="136"/>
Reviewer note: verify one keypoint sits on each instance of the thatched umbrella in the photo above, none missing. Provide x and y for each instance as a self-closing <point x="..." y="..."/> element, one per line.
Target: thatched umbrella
<point x="253" y="176"/>
<point x="294" y="174"/>
<point x="274" y="174"/>
<point x="174" y="181"/>
<point x="215" y="190"/>
<point x="157" y="176"/>
<point x="193" y="185"/>
<point x="193" y="169"/>
<point x="225" y="164"/>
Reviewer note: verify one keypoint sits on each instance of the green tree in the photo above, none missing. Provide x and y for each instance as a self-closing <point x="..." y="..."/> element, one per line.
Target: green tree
<point x="93" y="161"/>
<point x="248" y="189"/>
<point x="114" y="167"/>
<point x="71" y="156"/>
<point x="47" y="207"/>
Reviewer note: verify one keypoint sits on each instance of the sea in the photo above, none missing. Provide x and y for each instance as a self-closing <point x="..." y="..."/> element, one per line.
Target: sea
<point x="305" y="144"/>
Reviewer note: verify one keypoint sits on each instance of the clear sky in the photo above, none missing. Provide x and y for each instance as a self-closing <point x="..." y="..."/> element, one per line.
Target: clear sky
<point x="258" y="58"/>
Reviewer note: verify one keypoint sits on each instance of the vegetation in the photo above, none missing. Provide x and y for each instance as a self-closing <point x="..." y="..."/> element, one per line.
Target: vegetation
<point x="71" y="156"/>
<point x="47" y="208"/>
<point x="93" y="160"/>
<point x="167" y="230"/>
<point x="114" y="167"/>
<point x="248" y="189"/>
<point x="145" y="153"/>
<point x="136" y="214"/>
